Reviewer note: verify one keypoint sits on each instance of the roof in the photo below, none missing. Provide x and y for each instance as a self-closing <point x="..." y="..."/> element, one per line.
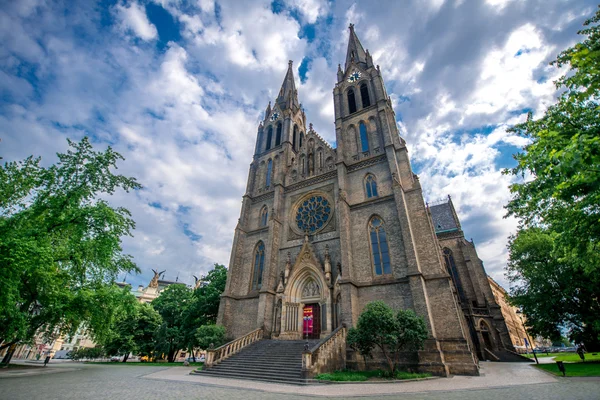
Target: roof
<point x="355" y="51"/>
<point x="443" y="218"/>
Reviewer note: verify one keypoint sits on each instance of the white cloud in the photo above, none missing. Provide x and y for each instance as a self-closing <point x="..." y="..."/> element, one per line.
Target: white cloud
<point x="134" y="18"/>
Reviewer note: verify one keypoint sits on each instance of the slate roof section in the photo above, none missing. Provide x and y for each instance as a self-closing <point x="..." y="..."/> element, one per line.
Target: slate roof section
<point x="443" y="218"/>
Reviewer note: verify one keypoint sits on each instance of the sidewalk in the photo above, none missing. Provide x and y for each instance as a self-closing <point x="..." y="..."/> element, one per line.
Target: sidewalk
<point x="32" y="367"/>
<point x="493" y="375"/>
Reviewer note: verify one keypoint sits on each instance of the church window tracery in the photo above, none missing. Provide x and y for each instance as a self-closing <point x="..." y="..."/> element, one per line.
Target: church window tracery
<point x="364" y="139"/>
<point x="269" y="172"/>
<point x="351" y="101"/>
<point x="312" y="214"/>
<point x="264" y="214"/>
<point x="259" y="263"/>
<point x="269" y="138"/>
<point x="278" y="135"/>
<point x="364" y="95"/>
<point x="371" y="186"/>
<point x="379" y="247"/>
<point x="453" y="271"/>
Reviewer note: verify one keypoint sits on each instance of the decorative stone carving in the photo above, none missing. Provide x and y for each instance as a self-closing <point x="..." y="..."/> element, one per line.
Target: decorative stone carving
<point x="311" y="289"/>
<point x="327" y="265"/>
<point x="154" y="282"/>
<point x="280" y="287"/>
<point x="288" y="268"/>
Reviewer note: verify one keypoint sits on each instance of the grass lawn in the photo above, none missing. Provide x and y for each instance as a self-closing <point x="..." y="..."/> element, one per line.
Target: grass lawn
<point x="147" y="364"/>
<point x="361" y="376"/>
<point x="568" y="357"/>
<point x="576" y="369"/>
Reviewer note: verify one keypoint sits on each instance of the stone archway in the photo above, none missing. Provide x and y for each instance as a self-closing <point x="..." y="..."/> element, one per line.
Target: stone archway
<point x="306" y="298"/>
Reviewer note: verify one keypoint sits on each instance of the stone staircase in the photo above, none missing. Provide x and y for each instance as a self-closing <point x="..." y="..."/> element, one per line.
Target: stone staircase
<point x="277" y="361"/>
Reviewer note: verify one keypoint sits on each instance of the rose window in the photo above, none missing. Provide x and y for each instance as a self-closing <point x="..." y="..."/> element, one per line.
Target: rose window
<point x="313" y="213"/>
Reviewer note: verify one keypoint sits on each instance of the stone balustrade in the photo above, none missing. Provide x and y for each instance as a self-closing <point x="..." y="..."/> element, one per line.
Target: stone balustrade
<point x="327" y="356"/>
<point x="215" y="356"/>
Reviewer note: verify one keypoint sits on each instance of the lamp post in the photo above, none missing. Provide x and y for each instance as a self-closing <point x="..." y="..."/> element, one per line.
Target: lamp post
<point x="528" y="338"/>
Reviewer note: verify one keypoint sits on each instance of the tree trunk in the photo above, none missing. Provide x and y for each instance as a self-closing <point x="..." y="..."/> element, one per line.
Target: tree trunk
<point x="193" y="355"/>
<point x="125" y="357"/>
<point x="9" y="354"/>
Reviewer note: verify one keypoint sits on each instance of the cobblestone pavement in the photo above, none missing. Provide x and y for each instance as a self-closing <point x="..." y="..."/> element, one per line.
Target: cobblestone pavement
<point x="117" y="381"/>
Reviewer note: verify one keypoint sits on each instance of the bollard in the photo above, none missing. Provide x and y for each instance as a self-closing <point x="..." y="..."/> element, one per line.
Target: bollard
<point x="561" y="367"/>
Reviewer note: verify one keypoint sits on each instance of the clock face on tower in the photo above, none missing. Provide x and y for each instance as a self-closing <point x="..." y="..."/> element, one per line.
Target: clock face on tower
<point x="274" y="116"/>
<point x="354" y="77"/>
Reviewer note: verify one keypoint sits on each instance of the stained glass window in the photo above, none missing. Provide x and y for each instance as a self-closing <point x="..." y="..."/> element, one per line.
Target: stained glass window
<point x="379" y="246"/>
<point x="264" y="213"/>
<point x="294" y="137"/>
<point x="364" y="139"/>
<point x="371" y="186"/>
<point x="259" y="263"/>
<point x="313" y="213"/>
<point x="269" y="172"/>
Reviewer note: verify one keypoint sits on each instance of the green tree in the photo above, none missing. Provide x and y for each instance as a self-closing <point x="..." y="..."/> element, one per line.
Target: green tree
<point x="208" y="335"/>
<point x="204" y="307"/>
<point x="552" y="288"/>
<point x="380" y="327"/>
<point x="560" y="197"/>
<point x="563" y="157"/>
<point x="133" y="331"/>
<point x="60" y="243"/>
<point x="172" y="305"/>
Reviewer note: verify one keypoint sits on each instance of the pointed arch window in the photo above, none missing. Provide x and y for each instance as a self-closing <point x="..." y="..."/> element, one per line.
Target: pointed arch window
<point x="364" y="139"/>
<point x="264" y="215"/>
<point x="379" y="247"/>
<point x="294" y="137"/>
<point x="269" y="172"/>
<point x="269" y="137"/>
<point x="371" y="186"/>
<point x="364" y="95"/>
<point x="259" y="264"/>
<point x="278" y="135"/>
<point x="351" y="101"/>
<point x="453" y="271"/>
<point x="301" y="139"/>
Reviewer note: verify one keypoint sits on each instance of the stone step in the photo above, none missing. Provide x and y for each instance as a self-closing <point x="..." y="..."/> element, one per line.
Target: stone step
<point x="298" y="382"/>
<point x="249" y="375"/>
<point x="263" y="369"/>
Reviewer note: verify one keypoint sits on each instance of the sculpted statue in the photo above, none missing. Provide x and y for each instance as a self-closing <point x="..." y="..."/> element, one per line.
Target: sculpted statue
<point x="154" y="282"/>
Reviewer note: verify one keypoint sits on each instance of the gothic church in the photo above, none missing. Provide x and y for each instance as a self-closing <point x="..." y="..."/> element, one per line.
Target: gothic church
<point x="324" y="231"/>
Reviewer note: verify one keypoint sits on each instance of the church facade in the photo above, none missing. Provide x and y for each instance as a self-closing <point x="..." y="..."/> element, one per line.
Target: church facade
<point x="324" y="231"/>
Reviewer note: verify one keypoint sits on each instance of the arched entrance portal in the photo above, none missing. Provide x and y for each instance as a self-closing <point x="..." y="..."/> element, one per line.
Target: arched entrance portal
<point x="306" y="300"/>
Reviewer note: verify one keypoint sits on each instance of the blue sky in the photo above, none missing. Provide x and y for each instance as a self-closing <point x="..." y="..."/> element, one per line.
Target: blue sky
<point x="179" y="88"/>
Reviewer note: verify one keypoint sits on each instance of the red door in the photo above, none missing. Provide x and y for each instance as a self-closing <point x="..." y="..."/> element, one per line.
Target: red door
<point x="311" y="321"/>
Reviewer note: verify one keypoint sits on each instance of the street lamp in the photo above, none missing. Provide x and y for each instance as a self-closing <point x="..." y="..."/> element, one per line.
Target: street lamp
<point x="527" y="339"/>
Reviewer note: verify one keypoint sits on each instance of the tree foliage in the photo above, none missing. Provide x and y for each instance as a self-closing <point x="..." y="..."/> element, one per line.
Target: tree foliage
<point x="391" y="332"/>
<point x="133" y="332"/>
<point x="208" y="335"/>
<point x="172" y="305"/>
<point x="60" y="242"/>
<point x="558" y="203"/>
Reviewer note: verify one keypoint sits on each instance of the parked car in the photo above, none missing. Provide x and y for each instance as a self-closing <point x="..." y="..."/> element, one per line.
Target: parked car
<point x="198" y="359"/>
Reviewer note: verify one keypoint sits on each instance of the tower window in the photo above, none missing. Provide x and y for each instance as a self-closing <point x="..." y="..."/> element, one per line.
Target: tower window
<point x="259" y="263"/>
<point x="379" y="247"/>
<point x="364" y="95"/>
<point x="301" y="139"/>
<point x="453" y="271"/>
<point x="351" y="101"/>
<point x="269" y="172"/>
<point x="364" y="139"/>
<point x="264" y="214"/>
<point x="294" y="137"/>
<point x="371" y="186"/>
<point x="278" y="136"/>
<point x="269" y="137"/>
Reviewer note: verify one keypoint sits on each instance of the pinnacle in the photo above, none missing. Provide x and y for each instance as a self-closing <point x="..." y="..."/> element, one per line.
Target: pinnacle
<point x="356" y="52"/>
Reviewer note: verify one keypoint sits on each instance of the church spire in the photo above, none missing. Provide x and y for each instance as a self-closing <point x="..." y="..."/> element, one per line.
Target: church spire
<point x="288" y="95"/>
<point x="356" y="53"/>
